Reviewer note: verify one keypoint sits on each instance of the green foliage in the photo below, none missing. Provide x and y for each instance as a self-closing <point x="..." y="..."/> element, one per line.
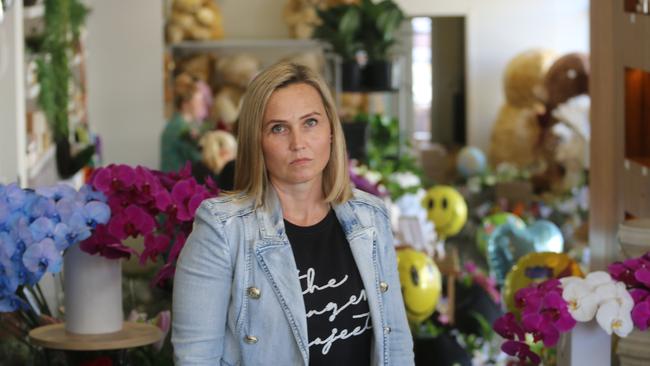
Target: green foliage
<point x="340" y="26"/>
<point x="370" y="26"/>
<point x="384" y="150"/>
<point x="380" y="23"/>
<point x="63" y="20"/>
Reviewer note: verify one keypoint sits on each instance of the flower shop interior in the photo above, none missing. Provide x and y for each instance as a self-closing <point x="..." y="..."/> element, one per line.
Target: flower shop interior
<point x="509" y="140"/>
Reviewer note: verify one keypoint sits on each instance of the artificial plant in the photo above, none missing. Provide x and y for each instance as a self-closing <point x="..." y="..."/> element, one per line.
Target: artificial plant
<point x="339" y="26"/>
<point x="63" y="21"/>
<point x="380" y="22"/>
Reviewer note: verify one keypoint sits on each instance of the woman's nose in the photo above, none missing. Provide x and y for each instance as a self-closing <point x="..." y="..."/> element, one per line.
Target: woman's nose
<point x="297" y="140"/>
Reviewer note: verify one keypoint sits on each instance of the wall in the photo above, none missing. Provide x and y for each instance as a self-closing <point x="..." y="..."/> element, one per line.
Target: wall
<point x="12" y="96"/>
<point x="257" y="19"/>
<point x="125" y="78"/>
<point x="496" y="31"/>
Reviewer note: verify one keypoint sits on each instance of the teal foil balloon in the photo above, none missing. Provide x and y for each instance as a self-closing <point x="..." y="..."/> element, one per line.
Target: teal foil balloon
<point x="491" y="223"/>
<point x="509" y="242"/>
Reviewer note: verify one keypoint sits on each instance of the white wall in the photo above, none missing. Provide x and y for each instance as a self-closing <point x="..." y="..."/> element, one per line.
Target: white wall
<point x="12" y="96"/>
<point x="257" y="19"/>
<point x="125" y="78"/>
<point x="496" y="31"/>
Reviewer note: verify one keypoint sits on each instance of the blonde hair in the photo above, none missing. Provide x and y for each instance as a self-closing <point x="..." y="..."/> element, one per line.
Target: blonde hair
<point x="217" y="148"/>
<point x="250" y="174"/>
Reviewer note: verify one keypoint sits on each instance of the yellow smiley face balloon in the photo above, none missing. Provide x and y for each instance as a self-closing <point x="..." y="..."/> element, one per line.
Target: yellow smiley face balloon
<point x="446" y="208"/>
<point x="421" y="284"/>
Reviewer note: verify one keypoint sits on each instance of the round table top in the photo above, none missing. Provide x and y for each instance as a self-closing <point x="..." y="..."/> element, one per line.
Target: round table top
<point x="132" y="335"/>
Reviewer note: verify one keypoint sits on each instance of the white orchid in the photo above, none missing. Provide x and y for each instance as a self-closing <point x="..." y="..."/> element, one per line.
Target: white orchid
<point x="599" y="295"/>
<point x="583" y="302"/>
<point x="406" y="180"/>
<point x="614" y="314"/>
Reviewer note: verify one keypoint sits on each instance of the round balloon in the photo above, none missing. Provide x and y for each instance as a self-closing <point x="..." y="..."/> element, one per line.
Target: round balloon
<point x="471" y="161"/>
<point x="490" y="223"/>
<point x="508" y="243"/>
<point x="537" y="268"/>
<point x="446" y="208"/>
<point x="421" y="284"/>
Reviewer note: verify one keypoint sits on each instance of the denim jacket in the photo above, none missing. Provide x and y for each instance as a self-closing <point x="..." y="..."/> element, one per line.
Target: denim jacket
<point x="237" y="297"/>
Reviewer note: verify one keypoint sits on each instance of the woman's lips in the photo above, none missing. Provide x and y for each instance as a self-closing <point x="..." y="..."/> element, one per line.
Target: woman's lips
<point x="300" y="161"/>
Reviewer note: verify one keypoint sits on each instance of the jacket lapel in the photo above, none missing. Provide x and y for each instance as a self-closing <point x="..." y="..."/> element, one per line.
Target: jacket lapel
<point x="362" y="244"/>
<point x="275" y="257"/>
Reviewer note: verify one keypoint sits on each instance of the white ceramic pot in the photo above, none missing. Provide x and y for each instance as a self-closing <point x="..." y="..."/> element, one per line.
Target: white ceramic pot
<point x="634" y="237"/>
<point x="92" y="293"/>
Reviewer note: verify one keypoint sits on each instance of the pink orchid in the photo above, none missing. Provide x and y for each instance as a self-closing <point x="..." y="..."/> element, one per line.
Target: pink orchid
<point x="156" y="205"/>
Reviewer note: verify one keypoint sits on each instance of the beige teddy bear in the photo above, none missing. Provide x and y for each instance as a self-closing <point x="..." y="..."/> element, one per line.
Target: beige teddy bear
<point x="235" y="72"/>
<point x="194" y="20"/>
<point x="516" y="133"/>
<point x="301" y="18"/>
<point x="217" y="149"/>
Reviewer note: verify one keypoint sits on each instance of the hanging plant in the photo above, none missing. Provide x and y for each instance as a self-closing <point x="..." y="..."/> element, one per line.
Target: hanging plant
<point x="63" y="22"/>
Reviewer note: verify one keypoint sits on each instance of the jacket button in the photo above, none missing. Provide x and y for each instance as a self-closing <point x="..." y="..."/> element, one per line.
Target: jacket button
<point x="254" y="292"/>
<point x="383" y="286"/>
<point x="386" y="330"/>
<point x="250" y="339"/>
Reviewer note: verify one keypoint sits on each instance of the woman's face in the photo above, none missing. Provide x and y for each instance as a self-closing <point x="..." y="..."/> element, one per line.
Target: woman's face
<point x="296" y="136"/>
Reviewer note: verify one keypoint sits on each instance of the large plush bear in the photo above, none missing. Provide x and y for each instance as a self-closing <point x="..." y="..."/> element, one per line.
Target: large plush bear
<point x="566" y="135"/>
<point x="234" y="72"/>
<point x="516" y="132"/>
<point x="194" y="20"/>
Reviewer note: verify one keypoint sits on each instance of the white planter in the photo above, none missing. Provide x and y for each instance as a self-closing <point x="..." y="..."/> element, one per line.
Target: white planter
<point x="634" y="237"/>
<point x="93" y="293"/>
<point x="586" y="344"/>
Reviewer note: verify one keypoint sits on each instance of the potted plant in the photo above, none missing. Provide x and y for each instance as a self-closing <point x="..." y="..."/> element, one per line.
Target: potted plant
<point x="380" y="22"/>
<point x="339" y="26"/>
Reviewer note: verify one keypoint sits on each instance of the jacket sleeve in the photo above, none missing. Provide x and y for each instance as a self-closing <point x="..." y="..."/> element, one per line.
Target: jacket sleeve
<point x="201" y="293"/>
<point x="400" y="340"/>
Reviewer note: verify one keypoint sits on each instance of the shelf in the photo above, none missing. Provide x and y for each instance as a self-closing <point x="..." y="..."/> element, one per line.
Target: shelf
<point x="246" y="44"/>
<point x="33" y="12"/>
<point x="41" y="162"/>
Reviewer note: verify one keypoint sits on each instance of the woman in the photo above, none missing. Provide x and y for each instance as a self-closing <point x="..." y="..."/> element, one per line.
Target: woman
<point x="294" y="268"/>
<point x="179" y="140"/>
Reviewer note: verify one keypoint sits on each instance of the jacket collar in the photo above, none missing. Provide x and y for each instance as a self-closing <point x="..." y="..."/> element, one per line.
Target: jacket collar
<point x="271" y="219"/>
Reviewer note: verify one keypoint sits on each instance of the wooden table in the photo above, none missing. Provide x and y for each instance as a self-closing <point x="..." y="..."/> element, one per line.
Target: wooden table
<point x="78" y="346"/>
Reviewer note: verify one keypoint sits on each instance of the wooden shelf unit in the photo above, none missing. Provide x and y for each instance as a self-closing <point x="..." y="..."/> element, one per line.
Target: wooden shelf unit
<point x="619" y="182"/>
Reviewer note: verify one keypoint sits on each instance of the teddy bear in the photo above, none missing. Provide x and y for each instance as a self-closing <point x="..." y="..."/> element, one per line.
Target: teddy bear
<point x="301" y="18"/>
<point x="235" y="72"/>
<point x="516" y="132"/>
<point x="194" y="20"/>
<point x="565" y="140"/>
<point x="217" y="149"/>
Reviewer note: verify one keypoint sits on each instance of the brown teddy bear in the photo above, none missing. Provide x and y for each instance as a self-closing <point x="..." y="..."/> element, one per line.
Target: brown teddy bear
<point x="194" y="20"/>
<point x="565" y="140"/>
<point x="516" y="133"/>
<point x="235" y="72"/>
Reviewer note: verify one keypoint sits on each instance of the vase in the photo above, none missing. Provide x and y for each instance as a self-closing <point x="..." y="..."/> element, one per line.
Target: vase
<point x="586" y="344"/>
<point x="378" y="76"/>
<point x="93" y="293"/>
<point x="634" y="238"/>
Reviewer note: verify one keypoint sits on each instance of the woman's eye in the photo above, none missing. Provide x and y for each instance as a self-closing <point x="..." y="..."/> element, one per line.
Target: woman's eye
<point x="311" y="122"/>
<point x="277" y="129"/>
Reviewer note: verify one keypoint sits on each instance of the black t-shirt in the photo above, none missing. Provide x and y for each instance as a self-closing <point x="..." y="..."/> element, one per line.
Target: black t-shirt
<point x="338" y="317"/>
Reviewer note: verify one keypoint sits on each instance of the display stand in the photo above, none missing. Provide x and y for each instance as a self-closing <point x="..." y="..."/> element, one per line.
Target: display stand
<point x="83" y="347"/>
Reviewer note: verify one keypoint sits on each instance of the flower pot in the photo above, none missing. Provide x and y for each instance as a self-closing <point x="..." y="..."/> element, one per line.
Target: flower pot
<point x="93" y="293"/>
<point x="378" y="76"/>
<point x="634" y="237"/>
<point x="351" y="76"/>
<point x="586" y="344"/>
